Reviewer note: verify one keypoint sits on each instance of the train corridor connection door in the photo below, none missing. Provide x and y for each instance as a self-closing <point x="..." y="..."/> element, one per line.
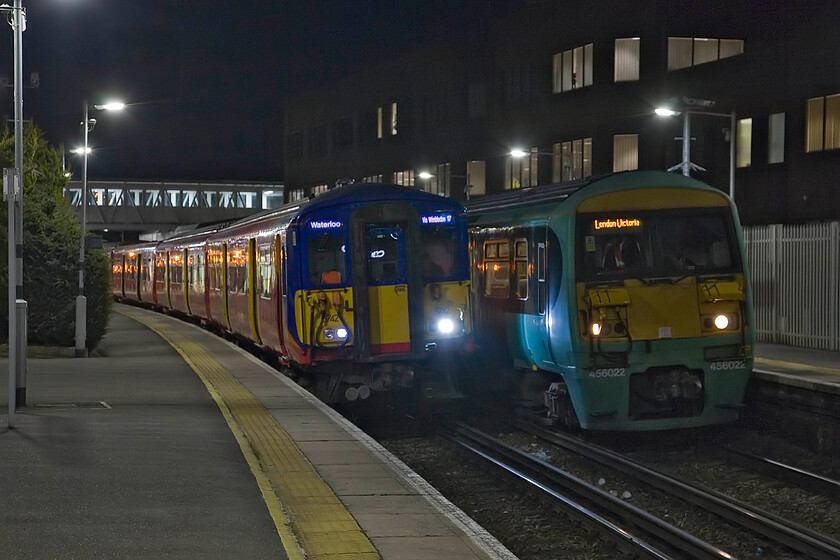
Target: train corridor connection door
<point x="387" y="289"/>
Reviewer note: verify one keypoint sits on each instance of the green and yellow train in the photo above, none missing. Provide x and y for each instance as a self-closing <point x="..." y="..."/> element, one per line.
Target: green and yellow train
<point x="623" y="302"/>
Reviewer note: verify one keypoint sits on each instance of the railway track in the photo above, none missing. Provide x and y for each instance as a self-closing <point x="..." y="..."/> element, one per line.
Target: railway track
<point x="800" y="539"/>
<point x="584" y="501"/>
<point x="811" y="481"/>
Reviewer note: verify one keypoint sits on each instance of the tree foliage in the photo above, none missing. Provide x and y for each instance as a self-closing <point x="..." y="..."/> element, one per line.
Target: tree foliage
<point x="51" y="250"/>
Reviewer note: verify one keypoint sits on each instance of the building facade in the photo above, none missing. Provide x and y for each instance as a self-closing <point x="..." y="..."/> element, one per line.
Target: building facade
<point x="572" y="87"/>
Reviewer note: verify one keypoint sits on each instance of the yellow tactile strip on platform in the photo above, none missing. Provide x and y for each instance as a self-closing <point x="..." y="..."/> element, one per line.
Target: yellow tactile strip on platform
<point x="304" y="508"/>
<point x="800" y="367"/>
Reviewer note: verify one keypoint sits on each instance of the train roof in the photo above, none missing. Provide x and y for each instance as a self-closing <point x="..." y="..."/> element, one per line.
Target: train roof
<point x="551" y="196"/>
<point x="340" y="195"/>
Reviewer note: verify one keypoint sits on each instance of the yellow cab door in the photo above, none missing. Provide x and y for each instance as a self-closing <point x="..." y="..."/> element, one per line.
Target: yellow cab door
<point x="387" y="278"/>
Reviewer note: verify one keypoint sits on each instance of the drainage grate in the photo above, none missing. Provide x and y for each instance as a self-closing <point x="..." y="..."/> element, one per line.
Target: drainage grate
<point x="83" y="404"/>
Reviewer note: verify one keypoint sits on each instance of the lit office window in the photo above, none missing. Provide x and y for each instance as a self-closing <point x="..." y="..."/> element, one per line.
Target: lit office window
<point x="372" y="179"/>
<point x="815" y="113"/>
<point x="319" y="189"/>
<point x="393" y="119"/>
<point x="404" y="178"/>
<point x="627" y="59"/>
<point x="776" y="141"/>
<point x="440" y="181"/>
<point x="571" y="160"/>
<point x="572" y="69"/>
<point x="379" y="122"/>
<point x="743" y="145"/>
<point x="691" y="51"/>
<point x="625" y="152"/>
<point x="832" y="122"/>
<point x="296" y="194"/>
<point x="476" y="177"/>
<point x="705" y="50"/>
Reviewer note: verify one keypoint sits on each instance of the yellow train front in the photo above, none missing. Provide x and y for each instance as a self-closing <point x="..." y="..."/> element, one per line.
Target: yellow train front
<point x="377" y="284"/>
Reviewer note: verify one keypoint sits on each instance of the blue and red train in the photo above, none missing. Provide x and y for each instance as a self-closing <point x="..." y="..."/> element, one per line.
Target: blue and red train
<point x="614" y="303"/>
<point x="353" y="290"/>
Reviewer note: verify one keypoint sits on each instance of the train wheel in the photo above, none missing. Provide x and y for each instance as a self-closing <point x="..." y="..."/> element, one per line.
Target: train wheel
<point x="559" y="407"/>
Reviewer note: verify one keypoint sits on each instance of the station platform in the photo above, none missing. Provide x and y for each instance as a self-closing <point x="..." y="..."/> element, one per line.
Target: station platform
<point x="816" y="370"/>
<point x="170" y="442"/>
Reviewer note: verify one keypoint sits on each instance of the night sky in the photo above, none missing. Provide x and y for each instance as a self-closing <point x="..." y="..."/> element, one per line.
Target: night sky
<point x="205" y="80"/>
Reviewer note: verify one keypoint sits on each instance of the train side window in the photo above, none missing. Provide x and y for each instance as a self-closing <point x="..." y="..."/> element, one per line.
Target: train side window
<point x="521" y="268"/>
<point x="283" y="263"/>
<point x="497" y="269"/>
<point x="214" y="265"/>
<point x="265" y="275"/>
<point x="541" y="285"/>
<point x="237" y="272"/>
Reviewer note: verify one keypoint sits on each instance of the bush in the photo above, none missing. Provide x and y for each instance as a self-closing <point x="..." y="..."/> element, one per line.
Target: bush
<point x="51" y="251"/>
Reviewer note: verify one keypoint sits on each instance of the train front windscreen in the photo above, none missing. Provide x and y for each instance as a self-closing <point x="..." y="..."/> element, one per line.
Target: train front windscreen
<point x="656" y="244"/>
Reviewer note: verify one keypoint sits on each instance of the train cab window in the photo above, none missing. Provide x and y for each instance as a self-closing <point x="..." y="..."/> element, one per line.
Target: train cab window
<point x="696" y="244"/>
<point x="676" y="243"/>
<point x="327" y="256"/>
<point x="385" y="248"/>
<point x="521" y="268"/>
<point x="438" y="253"/>
<point x="497" y="269"/>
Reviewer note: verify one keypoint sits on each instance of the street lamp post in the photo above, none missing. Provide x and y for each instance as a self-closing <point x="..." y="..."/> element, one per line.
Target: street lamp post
<point x="17" y="339"/>
<point x="81" y="300"/>
<point x="685" y="165"/>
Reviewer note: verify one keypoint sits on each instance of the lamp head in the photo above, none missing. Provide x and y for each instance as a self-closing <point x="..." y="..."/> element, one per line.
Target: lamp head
<point x="666" y="112"/>
<point x="518" y="153"/>
<point x="111" y="106"/>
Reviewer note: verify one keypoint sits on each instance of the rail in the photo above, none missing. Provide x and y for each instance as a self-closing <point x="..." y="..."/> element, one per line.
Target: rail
<point x="800" y="539"/>
<point x="556" y="483"/>
<point x="811" y="481"/>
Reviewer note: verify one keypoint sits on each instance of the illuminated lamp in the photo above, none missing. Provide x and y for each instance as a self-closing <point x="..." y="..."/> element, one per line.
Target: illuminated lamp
<point x="445" y="325"/>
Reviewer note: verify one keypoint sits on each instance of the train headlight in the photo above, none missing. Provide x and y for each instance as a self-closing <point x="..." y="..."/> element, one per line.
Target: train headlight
<point x="329" y="334"/>
<point x="341" y="333"/>
<point x="721" y="322"/>
<point x="445" y="325"/>
<point x="596" y="329"/>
